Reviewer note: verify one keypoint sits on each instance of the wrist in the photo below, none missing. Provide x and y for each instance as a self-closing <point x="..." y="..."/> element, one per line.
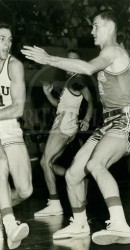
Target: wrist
<point x="87" y="120"/>
<point x="50" y="60"/>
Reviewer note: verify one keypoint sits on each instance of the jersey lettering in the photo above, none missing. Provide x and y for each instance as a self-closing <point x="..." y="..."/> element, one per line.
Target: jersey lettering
<point x="4" y="91"/>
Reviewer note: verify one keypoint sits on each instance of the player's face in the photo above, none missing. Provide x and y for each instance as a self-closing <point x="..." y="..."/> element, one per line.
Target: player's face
<point x="100" y="31"/>
<point x="5" y="43"/>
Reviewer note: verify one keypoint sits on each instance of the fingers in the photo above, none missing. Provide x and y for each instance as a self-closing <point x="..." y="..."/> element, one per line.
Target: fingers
<point x="39" y="49"/>
<point x="26" y="52"/>
<point x="34" y="49"/>
<point x="83" y="125"/>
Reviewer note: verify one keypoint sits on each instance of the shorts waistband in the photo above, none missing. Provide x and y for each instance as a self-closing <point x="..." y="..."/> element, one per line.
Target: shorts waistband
<point x="116" y="112"/>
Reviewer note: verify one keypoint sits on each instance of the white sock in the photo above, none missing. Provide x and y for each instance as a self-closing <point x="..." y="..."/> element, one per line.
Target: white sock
<point x="55" y="203"/>
<point x="81" y="217"/>
<point x="8" y="217"/>
<point x="9" y="221"/>
<point x="117" y="214"/>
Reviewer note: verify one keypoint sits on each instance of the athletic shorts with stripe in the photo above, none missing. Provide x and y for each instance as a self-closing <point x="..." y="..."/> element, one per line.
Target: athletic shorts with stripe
<point x="115" y="126"/>
<point x="66" y="124"/>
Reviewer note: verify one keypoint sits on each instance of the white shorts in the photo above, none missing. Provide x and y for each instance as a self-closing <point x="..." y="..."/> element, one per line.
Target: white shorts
<point x="66" y="123"/>
<point x="10" y="132"/>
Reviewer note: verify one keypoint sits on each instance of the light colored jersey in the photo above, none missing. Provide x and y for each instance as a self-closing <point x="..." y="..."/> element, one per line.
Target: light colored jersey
<point x="114" y="89"/>
<point x="6" y="100"/>
<point x="5" y="97"/>
<point x="69" y="102"/>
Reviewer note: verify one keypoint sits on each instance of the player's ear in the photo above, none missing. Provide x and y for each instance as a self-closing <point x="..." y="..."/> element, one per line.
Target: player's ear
<point x="111" y="27"/>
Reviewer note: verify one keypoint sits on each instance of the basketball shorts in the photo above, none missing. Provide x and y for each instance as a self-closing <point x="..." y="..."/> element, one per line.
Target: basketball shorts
<point x="66" y="124"/>
<point x="10" y="132"/>
<point x="115" y="126"/>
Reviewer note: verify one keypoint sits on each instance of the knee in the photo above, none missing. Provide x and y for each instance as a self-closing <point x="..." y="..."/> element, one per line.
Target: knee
<point x="26" y="192"/>
<point x="42" y="161"/>
<point x="94" y="166"/>
<point x="45" y="163"/>
<point x="70" y="179"/>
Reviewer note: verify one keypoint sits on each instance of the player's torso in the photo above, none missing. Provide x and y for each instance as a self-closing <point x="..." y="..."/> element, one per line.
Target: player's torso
<point x="5" y="82"/>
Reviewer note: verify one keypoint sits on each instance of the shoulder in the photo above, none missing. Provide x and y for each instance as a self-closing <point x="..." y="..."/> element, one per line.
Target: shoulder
<point x="14" y="63"/>
<point x="109" y="51"/>
<point x="15" y="67"/>
<point x="119" y="58"/>
<point x="114" y="51"/>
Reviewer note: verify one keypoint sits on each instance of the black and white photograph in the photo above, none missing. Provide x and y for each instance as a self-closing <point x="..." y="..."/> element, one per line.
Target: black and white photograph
<point x="65" y="138"/>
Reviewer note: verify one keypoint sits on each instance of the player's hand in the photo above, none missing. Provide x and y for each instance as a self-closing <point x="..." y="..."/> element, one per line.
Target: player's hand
<point x="84" y="125"/>
<point x="35" y="54"/>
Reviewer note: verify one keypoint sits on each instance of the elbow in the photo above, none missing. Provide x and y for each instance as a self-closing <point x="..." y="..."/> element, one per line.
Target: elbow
<point x="20" y="114"/>
<point x="19" y="110"/>
<point x="87" y="72"/>
<point x="91" y="72"/>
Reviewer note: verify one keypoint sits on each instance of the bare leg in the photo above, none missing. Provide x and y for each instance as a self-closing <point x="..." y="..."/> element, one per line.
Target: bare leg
<point x="75" y="175"/>
<point x="54" y="147"/>
<point x="58" y="170"/>
<point x="108" y="151"/>
<point x="20" y="170"/>
<point x="77" y="188"/>
<point x="5" y="198"/>
<point x="15" y="233"/>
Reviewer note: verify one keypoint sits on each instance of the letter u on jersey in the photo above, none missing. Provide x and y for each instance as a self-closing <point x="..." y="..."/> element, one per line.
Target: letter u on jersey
<point x="5" y="90"/>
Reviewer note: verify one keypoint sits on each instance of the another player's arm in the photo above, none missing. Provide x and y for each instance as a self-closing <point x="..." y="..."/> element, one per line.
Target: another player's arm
<point x="84" y="123"/>
<point x="105" y="58"/>
<point x="17" y="91"/>
<point x="47" y="88"/>
<point x="88" y="97"/>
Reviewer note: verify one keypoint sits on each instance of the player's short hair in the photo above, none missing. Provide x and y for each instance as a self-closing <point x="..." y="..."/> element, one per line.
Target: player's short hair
<point x="109" y="15"/>
<point x="4" y="25"/>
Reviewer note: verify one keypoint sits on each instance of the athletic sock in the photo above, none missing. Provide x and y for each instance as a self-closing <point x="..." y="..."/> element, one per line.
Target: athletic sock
<point x="115" y="209"/>
<point x="6" y="211"/>
<point x="81" y="217"/>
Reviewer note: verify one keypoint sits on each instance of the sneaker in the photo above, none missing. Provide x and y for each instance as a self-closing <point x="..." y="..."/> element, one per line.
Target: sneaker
<point x="17" y="234"/>
<point x="53" y="208"/>
<point x="73" y="230"/>
<point x="114" y="233"/>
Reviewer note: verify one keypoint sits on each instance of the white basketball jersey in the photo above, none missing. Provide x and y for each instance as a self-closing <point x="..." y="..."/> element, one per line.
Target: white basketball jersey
<point x="6" y="100"/>
<point x="5" y="96"/>
<point x="69" y="102"/>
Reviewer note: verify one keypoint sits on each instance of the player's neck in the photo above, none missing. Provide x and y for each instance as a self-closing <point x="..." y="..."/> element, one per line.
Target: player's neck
<point x="1" y="63"/>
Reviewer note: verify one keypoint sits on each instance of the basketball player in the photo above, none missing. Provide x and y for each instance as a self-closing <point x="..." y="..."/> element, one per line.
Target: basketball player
<point x="64" y="129"/>
<point x="108" y="144"/>
<point x="13" y="153"/>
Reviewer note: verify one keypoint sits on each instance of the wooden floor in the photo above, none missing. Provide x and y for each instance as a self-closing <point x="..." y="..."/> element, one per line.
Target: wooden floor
<point x="41" y="230"/>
